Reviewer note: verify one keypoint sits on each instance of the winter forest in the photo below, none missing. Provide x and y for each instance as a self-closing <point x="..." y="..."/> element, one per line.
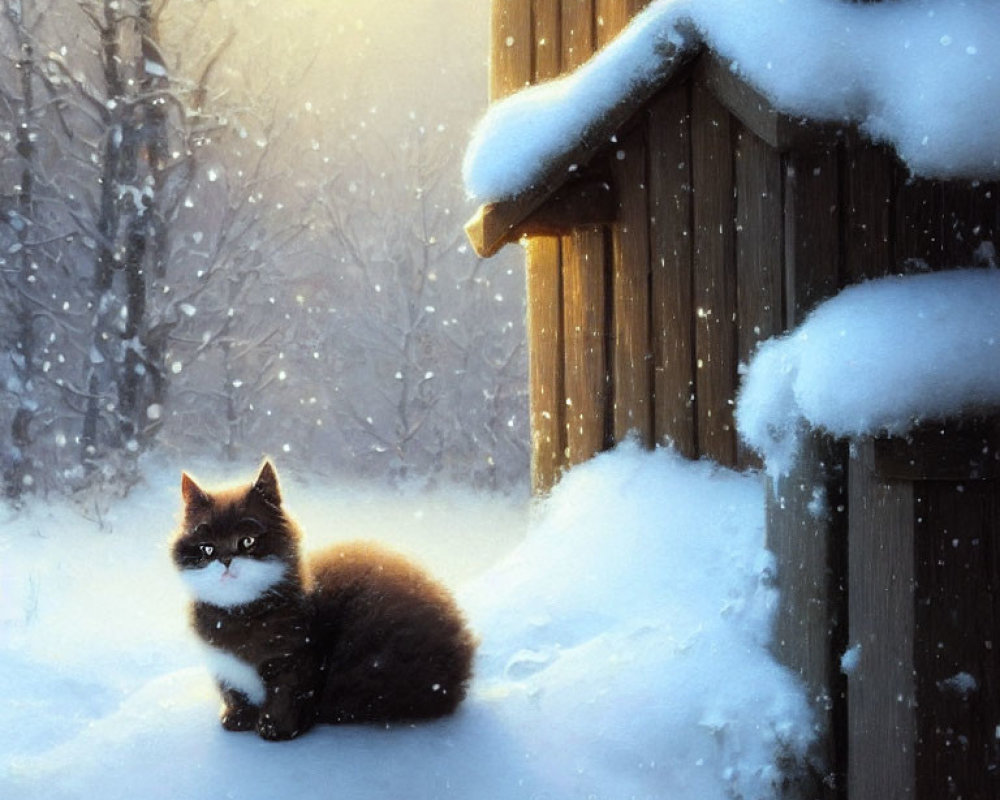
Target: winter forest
<point x="232" y="228"/>
<point x="765" y="566"/>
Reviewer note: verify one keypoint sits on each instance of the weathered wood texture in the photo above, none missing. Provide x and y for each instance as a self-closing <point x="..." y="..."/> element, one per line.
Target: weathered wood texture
<point x="759" y="251"/>
<point x="807" y="533"/>
<point x="585" y="335"/>
<point x="812" y="231"/>
<point x="867" y="208"/>
<point x="807" y="510"/>
<point x="578" y="32"/>
<point x="882" y="693"/>
<point x="957" y="626"/>
<point x="547" y="406"/>
<point x="510" y="47"/>
<point x="631" y="358"/>
<point x="672" y="276"/>
<point x="612" y="16"/>
<point x="724" y="223"/>
<point x="924" y="575"/>
<point x="714" y="274"/>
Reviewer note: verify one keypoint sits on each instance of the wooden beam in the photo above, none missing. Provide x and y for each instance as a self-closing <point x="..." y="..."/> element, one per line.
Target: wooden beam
<point x="759" y="251"/>
<point x="510" y="47"/>
<point x="881" y="697"/>
<point x="807" y="533"/>
<point x="807" y="509"/>
<point x="714" y="275"/>
<point x="671" y="263"/>
<point x="782" y="131"/>
<point x="919" y="233"/>
<point x="631" y="357"/>
<point x="613" y="16"/>
<point x="545" y="362"/>
<point x="548" y="40"/>
<point x="812" y="231"/>
<point x="585" y="331"/>
<point x="578" y="39"/>
<point x="582" y="202"/>
<point x="868" y="193"/>
<point x="959" y="451"/>
<point x="957" y="618"/>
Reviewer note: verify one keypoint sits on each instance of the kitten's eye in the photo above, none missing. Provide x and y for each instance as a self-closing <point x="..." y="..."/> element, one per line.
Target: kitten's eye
<point x="247" y="542"/>
<point x="206" y="549"/>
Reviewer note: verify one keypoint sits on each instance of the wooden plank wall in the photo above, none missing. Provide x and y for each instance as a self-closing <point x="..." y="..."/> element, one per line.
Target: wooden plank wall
<point x="672" y="265"/>
<point x="923" y="578"/>
<point x="574" y="376"/>
<point x="721" y="241"/>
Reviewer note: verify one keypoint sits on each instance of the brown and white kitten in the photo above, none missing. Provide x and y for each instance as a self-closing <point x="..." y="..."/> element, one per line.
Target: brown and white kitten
<point x="356" y="634"/>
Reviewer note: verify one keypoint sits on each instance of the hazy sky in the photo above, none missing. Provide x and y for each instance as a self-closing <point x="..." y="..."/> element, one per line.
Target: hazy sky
<point x="396" y="51"/>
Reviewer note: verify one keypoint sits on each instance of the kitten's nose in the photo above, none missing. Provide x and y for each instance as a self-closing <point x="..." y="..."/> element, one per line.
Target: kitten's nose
<point x="226" y="561"/>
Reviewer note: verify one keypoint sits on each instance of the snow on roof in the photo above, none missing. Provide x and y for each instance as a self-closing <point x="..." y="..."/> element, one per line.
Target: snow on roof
<point x="877" y="358"/>
<point x="921" y="75"/>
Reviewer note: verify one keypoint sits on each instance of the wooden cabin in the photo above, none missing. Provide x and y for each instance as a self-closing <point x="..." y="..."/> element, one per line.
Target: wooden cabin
<point x="695" y="221"/>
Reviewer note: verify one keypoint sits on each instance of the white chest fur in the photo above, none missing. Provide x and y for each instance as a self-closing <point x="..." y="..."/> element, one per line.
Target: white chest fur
<point x="242" y="582"/>
<point x="235" y="673"/>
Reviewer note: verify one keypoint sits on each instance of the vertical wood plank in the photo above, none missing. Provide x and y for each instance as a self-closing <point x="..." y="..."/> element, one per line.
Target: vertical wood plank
<point x="510" y="47"/>
<point x="881" y="697"/>
<point x="868" y="207"/>
<point x="585" y="332"/>
<point x="714" y="275"/>
<point x="545" y="362"/>
<point x="806" y="531"/>
<point x="671" y="262"/>
<point x="578" y="40"/>
<point x="548" y="39"/>
<point x="613" y="16"/>
<point x="812" y="231"/>
<point x="918" y="225"/>
<point x="584" y="285"/>
<point x="958" y="624"/>
<point x="970" y="217"/>
<point x="631" y="359"/>
<point x="759" y="250"/>
<point x="807" y="510"/>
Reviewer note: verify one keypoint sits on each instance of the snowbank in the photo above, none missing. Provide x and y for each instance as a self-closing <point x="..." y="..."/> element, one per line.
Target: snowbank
<point x="622" y="656"/>
<point x="877" y="358"/>
<point x="921" y="75"/>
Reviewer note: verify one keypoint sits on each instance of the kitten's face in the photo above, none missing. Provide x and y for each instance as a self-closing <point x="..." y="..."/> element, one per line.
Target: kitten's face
<point x="236" y="545"/>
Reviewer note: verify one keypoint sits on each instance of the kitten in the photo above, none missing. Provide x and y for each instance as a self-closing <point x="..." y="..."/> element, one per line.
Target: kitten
<point x="354" y="634"/>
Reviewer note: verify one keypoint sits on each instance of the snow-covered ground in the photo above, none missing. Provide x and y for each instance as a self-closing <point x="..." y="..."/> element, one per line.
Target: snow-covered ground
<point x="623" y="652"/>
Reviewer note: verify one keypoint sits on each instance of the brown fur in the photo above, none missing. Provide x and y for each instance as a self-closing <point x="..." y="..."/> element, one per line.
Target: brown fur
<point x="358" y="634"/>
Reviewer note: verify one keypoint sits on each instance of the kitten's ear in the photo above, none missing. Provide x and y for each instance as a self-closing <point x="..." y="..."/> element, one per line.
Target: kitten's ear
<point x="192" y="493"/>
<point x="266" y="484"/>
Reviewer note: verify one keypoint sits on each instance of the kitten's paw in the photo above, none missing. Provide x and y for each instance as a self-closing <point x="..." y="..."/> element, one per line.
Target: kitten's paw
<point x="240" y="718"/>
<point x="275" y="731"/>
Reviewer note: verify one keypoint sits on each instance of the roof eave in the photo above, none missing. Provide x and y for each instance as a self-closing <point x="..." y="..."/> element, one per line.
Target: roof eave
<point x="498" y="223"/>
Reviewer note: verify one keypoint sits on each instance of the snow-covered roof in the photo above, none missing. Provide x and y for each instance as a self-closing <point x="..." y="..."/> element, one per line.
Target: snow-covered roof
<point x="920" y="75"/>
<point x="880" y="357"/>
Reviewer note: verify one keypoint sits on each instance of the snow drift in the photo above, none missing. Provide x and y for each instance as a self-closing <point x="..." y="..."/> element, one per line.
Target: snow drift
<point x="880" y="357"/>
<point x="623" y="654"/>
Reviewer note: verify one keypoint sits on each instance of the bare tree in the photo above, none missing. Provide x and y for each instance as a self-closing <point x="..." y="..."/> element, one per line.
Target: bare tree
<point x="410" y="407"/>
